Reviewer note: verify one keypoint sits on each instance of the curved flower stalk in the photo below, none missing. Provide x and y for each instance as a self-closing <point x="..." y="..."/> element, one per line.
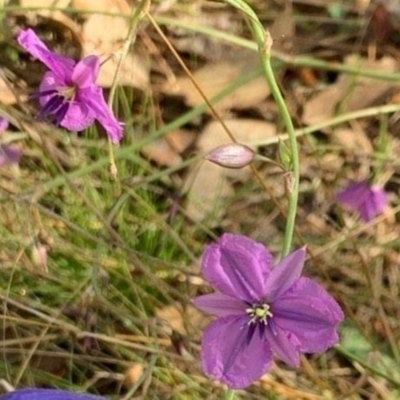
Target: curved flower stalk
<point x="262" y="310"/>
<point x="9" y="154"/>
<point x="366" y="199"/>
<point x="48" y="394"/>
<point x="68" y="92"/>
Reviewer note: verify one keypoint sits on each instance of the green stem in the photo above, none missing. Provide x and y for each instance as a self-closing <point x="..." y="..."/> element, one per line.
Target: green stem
<point x="264" y="44"/>
<point x="230" y="394"/>
<point x="125" y="49"/>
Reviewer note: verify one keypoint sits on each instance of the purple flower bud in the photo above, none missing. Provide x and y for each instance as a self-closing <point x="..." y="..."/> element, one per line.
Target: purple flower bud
<point x="9" y="154"/>
<point x="366" y="199"/>
<point x="232" y="155"/>
<point x="48" y="394"/>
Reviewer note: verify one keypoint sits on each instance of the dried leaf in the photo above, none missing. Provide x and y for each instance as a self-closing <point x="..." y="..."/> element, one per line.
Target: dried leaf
<point x="161" y="152"/>
<point x="213" y="78"/>
<point x="179" y="319"/>
<point x="180" y="139"/>
<point x="45" y="3"/>
<point x="105" y="35"/>
<point x="350" y="92"/>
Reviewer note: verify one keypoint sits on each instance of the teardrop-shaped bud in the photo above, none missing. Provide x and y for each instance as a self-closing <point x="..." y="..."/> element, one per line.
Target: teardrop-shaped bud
<point x="232" y="155"/>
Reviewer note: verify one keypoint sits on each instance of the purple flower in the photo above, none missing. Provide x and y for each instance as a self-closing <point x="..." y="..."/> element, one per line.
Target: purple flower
<point x="68" y="91"/>
<point x="368" y="200"/>
<point x="262" y="310"/>
<point x="48" y="394"/>
<point x="9" y="154"/>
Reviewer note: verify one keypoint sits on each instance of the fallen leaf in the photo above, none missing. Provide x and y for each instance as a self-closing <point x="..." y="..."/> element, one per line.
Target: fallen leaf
<point x="105" y="35"/>
<point x="349" y="93"/>
<point x="7" y="96"/>
<point x="161" y="152"/>
<point x="179" y="319"/>
<point x="353" y="139"/>
<point x="214" y="77"/>
<point x="44" y="3"/>
<point x="180" y="139"/>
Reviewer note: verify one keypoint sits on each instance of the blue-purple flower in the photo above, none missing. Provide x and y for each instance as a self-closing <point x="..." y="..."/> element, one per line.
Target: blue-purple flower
<point x="47" y="394"/>
<point x="366" y="199"/>
<point x="68" y="92"/>
<point x="262" y="310"/>
<point x="9" y="154"/>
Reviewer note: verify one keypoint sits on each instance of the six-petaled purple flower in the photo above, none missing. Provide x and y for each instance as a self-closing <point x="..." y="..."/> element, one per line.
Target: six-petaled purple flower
<point x="262" y="310"/>
<point x="9" y="154"/>
<point x="366" y="199"/>
<point x="68" y="92"/>
<point x="47" y="394"/>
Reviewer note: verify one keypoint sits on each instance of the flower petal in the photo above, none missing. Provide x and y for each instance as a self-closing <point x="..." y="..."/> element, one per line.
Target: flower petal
<point x="48" y="394"/>
<point x="284" y="348"/>
<point x="237" y="266"/>
<point x="285" y="274"/>
<point x="93" y="96"/>
<point x="220" y="304"/>
<point x="310" y="314"/>
<point x="9" y="154"/>
<point x="86" y="71"/>
<point x="354" y="194"/>
<point x="229" y="356"/>
<point x="3" y="125"/>
<point x="374" y="204"/>
<point x="60" y="65"/>
<point x="78" y="117"/>
<point x="50" y="83"/>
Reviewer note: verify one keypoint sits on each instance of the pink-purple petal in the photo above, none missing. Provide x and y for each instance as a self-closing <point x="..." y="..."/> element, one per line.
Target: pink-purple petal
<point x="58" y="64"/>
<point x="237" y="266"/>
<point x="9" y="154"/>
<point x="85" y="72"/>
<point x="374" y="203"/>
<point x="94" y="97"/>
<point x="354" y="194"/>
<point x="50" y="82"/>
<point x="220" y="305"/>
<point x="282" y="347"/>
<point x="310" y="314"/>
<point x="48" y="394"/>
<point x="78" y="117"/>
<point x="230" y="357"/>
<point x="363" y="198"/>
<point x="285" y="274"/>
<point x="3" y="124"/>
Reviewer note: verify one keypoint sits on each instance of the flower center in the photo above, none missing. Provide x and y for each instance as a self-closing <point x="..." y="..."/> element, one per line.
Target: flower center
<point x="58" y="103"/>
<point x="259" y="312"/>
<point x="68" y="92"/>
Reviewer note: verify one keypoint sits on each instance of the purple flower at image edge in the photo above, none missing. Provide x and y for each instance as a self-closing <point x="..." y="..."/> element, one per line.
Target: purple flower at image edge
<point x="68" y="92"/>
<point x="366" y="199"/>
<point x="262" y="310"/>
<point x="47" y="394"/>
<point x="9" y="154"/>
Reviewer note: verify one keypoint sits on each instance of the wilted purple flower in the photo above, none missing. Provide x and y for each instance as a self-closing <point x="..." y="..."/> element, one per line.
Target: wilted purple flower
<point x="9" y="154"/>
<point x="262" y="310"/>
<point x="368" y="200"/>
<point x="48" y="394"/>
<point x="68" y="91"/>
<point x="232" y="155"/>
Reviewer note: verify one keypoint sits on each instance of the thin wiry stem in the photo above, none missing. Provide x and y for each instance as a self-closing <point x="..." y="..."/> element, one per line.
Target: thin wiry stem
<point x="264" y="44"/>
